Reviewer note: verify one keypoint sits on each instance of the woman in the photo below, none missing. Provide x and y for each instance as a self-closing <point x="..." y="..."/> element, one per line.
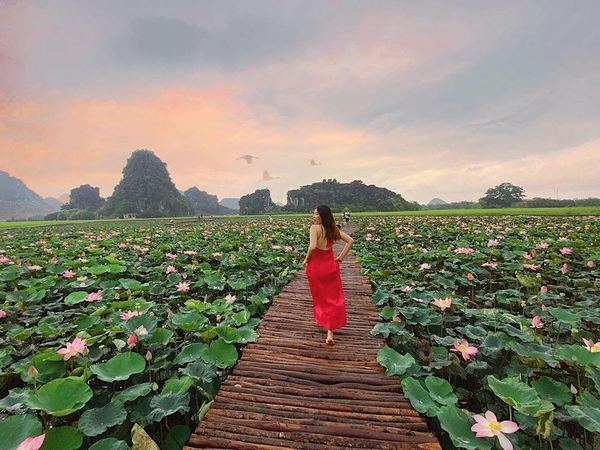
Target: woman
<point x="323" y="271"/>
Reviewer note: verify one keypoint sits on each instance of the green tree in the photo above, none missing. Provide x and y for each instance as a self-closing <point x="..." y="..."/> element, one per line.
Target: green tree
<point x="146" y="189"/>
<point x="84" y="197"/>
<point x="257" y="203"/>
<point x="504" y="195"/>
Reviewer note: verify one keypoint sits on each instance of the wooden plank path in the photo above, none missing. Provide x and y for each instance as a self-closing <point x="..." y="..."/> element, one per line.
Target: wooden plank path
<point x="290" y="390"/>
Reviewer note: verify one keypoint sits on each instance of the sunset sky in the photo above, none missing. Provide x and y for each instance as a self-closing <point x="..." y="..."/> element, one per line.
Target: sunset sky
<point x="428" y="99"/>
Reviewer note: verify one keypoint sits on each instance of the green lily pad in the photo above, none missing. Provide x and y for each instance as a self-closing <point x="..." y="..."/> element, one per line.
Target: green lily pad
<point x="61" y="397"/>
<point x="165" y="405"/>
<point x="97" y="420"/>
<point x="577" y="355"/>
<point x="520" y="396"/>
<point x="588" y="412"/>
<point x="552" y="390"/>
<point x="220" y="353"/>
<point x="189" y="353"/>
<point x="110" y="444"/>
<point x="419" y="397"/>
<point x="120" y="367"/>
<point x="440" y="390"/>
<point x="15" y="429"/>
<point x="132" y="393"/>
<point x="458" y="426"/>
<point x="62" y="438"/>
<point x="75" y="297"/>
<point x="394" y="362"/>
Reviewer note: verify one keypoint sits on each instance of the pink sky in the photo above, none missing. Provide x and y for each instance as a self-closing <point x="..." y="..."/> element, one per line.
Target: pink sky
<point x="428" y="101"/>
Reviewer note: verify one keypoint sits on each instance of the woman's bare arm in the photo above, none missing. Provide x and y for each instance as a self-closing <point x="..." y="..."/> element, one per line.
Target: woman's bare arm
<point x="349" y="241"/>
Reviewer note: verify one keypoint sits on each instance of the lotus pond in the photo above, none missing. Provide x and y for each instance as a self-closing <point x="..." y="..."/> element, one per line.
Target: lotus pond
<point x="118" y="333"/>
<point x="493" y="324"/>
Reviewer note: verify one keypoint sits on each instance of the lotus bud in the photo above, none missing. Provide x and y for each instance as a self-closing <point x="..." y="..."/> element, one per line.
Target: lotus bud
<point x="32" y="372"/>
<point x="573" y="390"/>
<point x="154" y="387"/>
<point x="148" y="355"/>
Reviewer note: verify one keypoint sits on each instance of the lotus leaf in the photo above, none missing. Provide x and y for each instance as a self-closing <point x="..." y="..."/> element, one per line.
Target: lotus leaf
<point x="564" y="316"/>
<point x="552" y="390"/>
<point x="568" y="444"/>
<point x="220" y="353"/>
<point x="190" y="352"/>
<point x="594" y="374"/>
<point x="200" y="371"/>
<point x="106" y="268"/>
<point x="440" y="390"/>
<point x="132" y="393"/>
<point x="63" y="438"/>
<point x="419" y="397"/>
<point x="61" y="397"/>
<point x="177" y="437"/>
<point x="130" y="284"/>
<point x="161" y="336"/>
<point x="29" y="297"/>
<point x="247" y="334"/>
<point x="533" y="355"/>
<point x="120" y="367"/>
<point x="75" y="297"/>
<point x="394" y="362"/>
<point x="588" y="411"/>
<point x="15" y="429"/>
<point x="165" y="405"/>
<point x="458" y="426"/>
<point x="493" y="345"/>
<point x="96" y="421"/>
<point x="520" y="396"/>
<point x="16" y="401"/>
<point x="241" y="317"/>
<point x="577" y="355"/>
<point x="189" y="321"/>
<point x="110" y="444"/>
<point x="176" y="385"/>
<point x="141" y="439"/>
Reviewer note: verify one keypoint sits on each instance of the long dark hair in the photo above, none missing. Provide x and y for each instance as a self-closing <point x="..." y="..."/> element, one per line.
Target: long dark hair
<point x="332" y="232"/>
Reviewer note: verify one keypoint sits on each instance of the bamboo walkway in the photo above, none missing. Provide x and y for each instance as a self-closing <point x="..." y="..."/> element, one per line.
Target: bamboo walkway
<point x="290" y="390"/>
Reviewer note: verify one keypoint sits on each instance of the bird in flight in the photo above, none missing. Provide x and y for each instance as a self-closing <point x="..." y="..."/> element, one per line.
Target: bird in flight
<point x="248" y="158"/>
<point x="314" y="163"/>
<point x="267" y="177"/>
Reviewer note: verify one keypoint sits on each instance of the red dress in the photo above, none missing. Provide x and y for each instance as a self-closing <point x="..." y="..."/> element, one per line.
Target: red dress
<point x="329" y="303"/>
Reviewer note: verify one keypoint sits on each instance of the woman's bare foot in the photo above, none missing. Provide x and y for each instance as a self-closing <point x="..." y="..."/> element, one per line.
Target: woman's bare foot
<point x="329" y="340"/>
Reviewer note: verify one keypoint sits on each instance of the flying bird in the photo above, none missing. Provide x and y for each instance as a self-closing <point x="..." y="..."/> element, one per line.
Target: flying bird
<point x="267" y="177"/>
<point x="314" y="163"/>
<point x="248" y="158"/>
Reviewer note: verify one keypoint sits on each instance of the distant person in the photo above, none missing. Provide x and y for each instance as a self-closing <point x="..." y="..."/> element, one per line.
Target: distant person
<point x="346" y="217"/>
<point x="323" y="271"/>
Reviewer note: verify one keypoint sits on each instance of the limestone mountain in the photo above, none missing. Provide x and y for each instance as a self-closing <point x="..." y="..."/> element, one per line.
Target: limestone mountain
<point x="18" y="202"/>
<point x="146" y="190"/>
<point x="204" y="203"/>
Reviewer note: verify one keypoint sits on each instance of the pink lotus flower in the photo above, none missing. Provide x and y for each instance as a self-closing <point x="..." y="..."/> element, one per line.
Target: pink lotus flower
<point x="566" y="251"/>
<point x="543" y="245"/>
<point x="184" y="286"/>
<point x="2" y="314"/>
<point x="536" y="322"/>
<point x="229" y="299"/>
<point x="129" y="314"/>
<point x="68" y="274"/>
<point x="464" y="349"/>
<point x="171" y="255"/>
<point x="590" y="264"/>
<point x="170" y="269"/>
<point x="470" y="276"/>
<point x="425" y="266"/>
<point x="490" y="265"/>
<point x="132" y="340"/>
<point x="493" y="243"/>
<point x="464" y="251"/>
<point x="288" y="248"/>
<point x="94" y="297"/>
<point x="544" y="289"/>
<point x="32" y="443"/>
<point x="530" y="267"/>
<point x="73" y="349"/>
<point x="443" y="304"/>
<point x="34" y="268"/>
<point x="489" y="426"/>
<point x="190" y="252"/>
<point x="564" y="269"/>
<point x="589" y="344"/>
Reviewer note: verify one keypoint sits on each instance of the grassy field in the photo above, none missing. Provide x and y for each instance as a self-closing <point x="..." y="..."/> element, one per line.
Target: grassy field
<point x="574" y="211"/>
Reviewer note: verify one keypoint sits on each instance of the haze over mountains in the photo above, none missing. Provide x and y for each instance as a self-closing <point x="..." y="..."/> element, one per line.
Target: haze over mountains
<point x="18" y="202"/>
